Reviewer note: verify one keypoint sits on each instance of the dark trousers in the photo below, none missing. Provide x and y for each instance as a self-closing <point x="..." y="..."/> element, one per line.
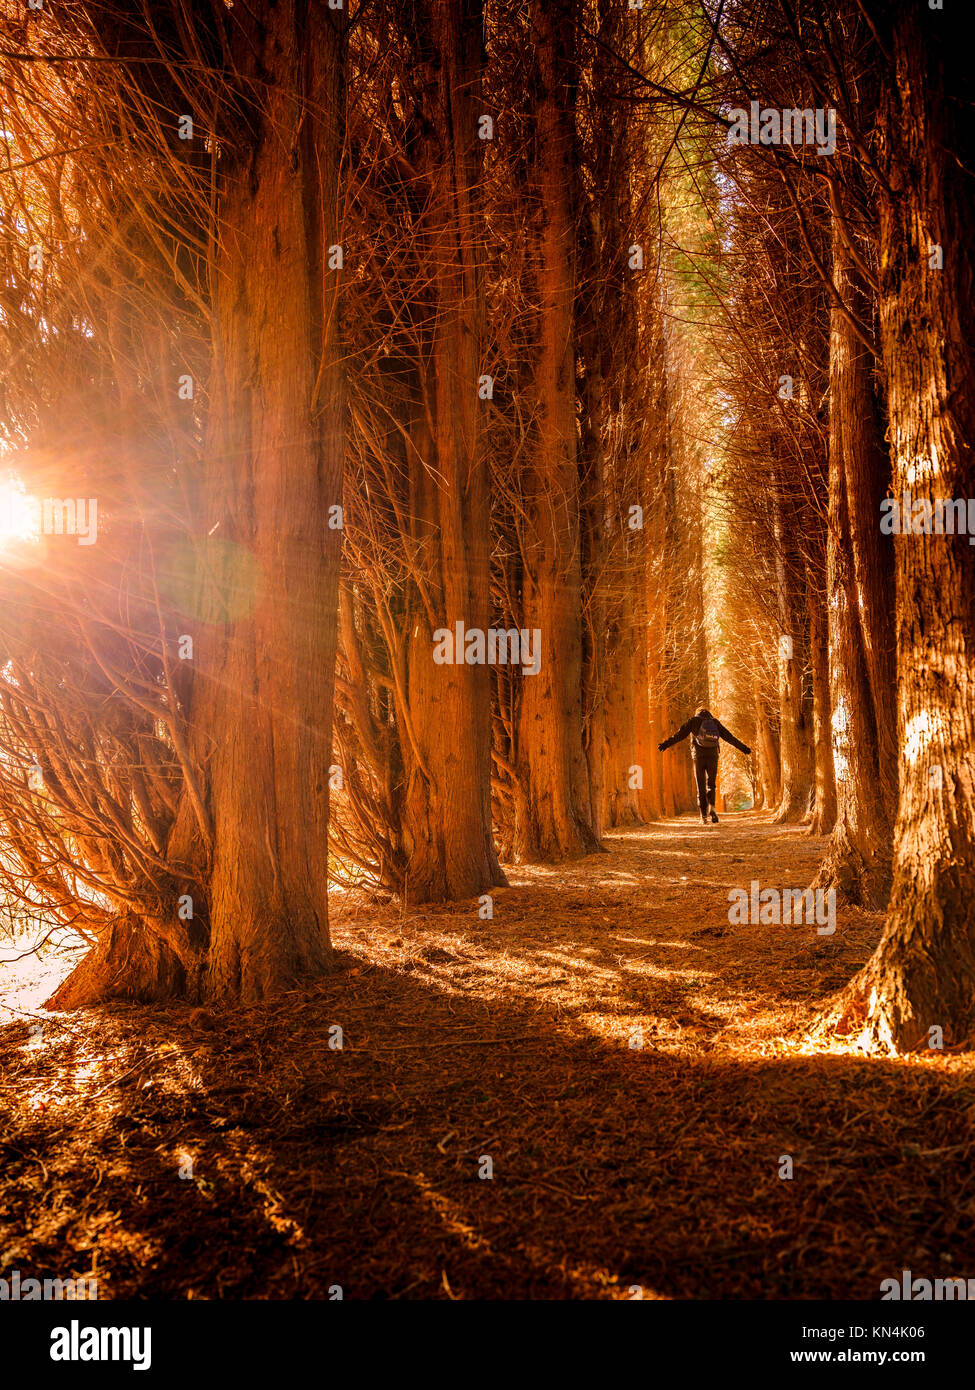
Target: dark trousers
<point x="706" y="776"/>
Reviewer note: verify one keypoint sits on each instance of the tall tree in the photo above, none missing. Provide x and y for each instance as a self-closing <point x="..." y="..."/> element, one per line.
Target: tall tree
<point x="275" y="448"/>
<point x="860" y="581"/>
<point x="415" y="730"/>
<point x="236" y="903"/>
<point x="447" y="804"/>
<point x="553" y="815"/>
<point x="923" y="973"/>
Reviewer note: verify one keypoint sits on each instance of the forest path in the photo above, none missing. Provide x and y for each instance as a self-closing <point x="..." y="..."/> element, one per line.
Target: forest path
<point x="236" y="1153"/>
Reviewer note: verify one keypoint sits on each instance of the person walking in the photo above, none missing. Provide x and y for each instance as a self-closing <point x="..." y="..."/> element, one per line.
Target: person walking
<point x="706" y="733"/>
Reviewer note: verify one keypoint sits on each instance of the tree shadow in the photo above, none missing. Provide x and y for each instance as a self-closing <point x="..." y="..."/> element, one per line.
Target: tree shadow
<point x="648" y="929"/>
<point x="366" y="1167"/>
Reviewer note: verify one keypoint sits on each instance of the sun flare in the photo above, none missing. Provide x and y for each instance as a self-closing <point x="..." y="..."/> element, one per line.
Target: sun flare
<point x="17" y="522"/>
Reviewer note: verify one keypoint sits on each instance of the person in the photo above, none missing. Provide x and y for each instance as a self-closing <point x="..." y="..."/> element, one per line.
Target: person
<point x="705" y="732"/>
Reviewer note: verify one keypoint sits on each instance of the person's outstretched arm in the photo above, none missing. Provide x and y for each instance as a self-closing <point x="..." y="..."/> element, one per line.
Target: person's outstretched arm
<point x="682" y="732"/>
<point x="729" y="737"/>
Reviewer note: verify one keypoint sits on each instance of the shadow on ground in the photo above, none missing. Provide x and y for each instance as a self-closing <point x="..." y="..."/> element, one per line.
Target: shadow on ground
<point x="239" y="1154"/>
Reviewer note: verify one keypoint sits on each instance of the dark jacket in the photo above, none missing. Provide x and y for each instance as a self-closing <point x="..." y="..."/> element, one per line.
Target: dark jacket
<point x="692" y="726"/>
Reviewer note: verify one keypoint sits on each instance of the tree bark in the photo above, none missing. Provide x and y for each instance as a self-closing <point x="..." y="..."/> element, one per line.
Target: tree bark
<point x="621" y="798"/>
<point x="132" y="960"/>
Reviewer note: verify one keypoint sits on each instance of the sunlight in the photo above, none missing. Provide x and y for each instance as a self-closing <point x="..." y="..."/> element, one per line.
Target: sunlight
<point x="919" y="734"/>
<point x="17" y="520"/>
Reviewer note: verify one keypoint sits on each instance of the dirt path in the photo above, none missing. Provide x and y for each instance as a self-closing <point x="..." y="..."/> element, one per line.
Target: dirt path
<point x="306" y="1167"/>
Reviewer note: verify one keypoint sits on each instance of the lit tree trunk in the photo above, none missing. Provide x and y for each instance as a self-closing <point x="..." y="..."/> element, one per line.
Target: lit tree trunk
<point x="621" y="800"/>
<point x="275" y="462"/>
<point x="675" y="771"/>
<point x="860" y="583"/>
<point x="447" y="806"/>
<point x="132" y="959"/>
<point x="645" y="756"/>
<point x="611" y="377"/>
<point x="652" y="797"/>
<point x="824" y="800"/>
<point x="605" y="737"/>
<point x="795" y="753"/>
<point x="922" y="975"/>
<point x="766" y="751"/>
<point x="553" y="808"/>
<point x="611" y="630"/>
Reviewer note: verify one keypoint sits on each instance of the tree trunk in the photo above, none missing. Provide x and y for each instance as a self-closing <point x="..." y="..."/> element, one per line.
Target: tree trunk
<point x="275" y="462"/>
<point x="922" y="975"/>
<point x="824" y="800"/>
<point x="553" y="807"/>
<point x="132" y="960"/>
<point x="650" y="709"/>
<point x="606" y="738"/>
<point x="447" y="806"/>
<point x="860" y="581"/>
<point x="621" y="799"/>
<point x="795" y="753"/>
<point x="263" y="623"/>
<point x="646" y="758"/>
<point x="766" y="751"/>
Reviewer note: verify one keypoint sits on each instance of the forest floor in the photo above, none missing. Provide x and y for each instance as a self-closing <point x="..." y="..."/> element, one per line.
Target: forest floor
<point x="177" y="1153"/>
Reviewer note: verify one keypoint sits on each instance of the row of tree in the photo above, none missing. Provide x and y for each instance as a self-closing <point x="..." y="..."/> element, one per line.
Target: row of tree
<point x="274" y="282"/>
<point x="848" y="301"/>
<point x="371" y="324"/>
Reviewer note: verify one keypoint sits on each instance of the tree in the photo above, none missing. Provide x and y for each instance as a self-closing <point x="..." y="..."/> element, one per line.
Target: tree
<point x="418" y="810"/>
<point x="210" y="851"/>
<point x="275" y="449"/>
<point x="860" y="578"/>
<point x="923" y="972"/>
<point x="553" y="810"/>
<point x="446" y="805"/>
